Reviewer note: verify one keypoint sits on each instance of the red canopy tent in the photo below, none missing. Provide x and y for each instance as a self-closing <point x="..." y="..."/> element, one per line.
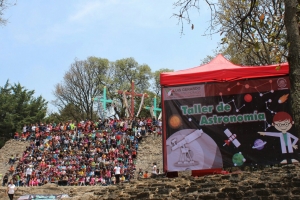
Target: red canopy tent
<point x="218" y="70"/>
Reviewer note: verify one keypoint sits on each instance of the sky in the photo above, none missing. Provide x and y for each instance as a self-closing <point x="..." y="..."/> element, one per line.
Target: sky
<point x="43" y="38"/>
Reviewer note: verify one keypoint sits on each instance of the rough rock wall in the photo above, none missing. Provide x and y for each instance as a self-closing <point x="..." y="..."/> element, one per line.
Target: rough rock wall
<point x="11" y="147"/>
<point x="150" y="151"/>
<point x="270" y="183"/>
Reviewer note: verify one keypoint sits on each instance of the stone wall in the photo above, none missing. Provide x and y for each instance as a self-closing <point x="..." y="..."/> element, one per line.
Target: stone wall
<point x="269" y="183"/>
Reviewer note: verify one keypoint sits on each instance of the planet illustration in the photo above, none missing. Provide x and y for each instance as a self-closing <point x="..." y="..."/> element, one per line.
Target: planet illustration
<point x="175" y="121"/>
<point x="238" y="159"/>
<point x="248" y="98"/>
<point x="259" y="144"/>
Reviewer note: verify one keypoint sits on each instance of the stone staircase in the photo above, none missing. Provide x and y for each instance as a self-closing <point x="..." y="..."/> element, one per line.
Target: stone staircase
<point x="150" y="151"/>
<point x="270" y="183"/>
<point x="11" y="147"/>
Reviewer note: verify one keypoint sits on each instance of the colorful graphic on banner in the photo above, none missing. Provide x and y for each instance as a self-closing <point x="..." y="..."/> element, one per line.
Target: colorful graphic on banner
<point x="43" y="197"/>
<point x="239" y="123"/>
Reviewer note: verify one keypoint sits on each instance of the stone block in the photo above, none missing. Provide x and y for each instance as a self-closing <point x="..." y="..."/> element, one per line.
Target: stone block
<point x="248" y="193"/>
<point x="217" y="179"/>
<point x="296" y="184"/>
<point x="225" y="177"/>
<point x="280" y="191"/>
<point x="234" y="180"/>
<point x="264" y="177"/>
<point x="143" y="195"/>
<point x="175" y="194"/>
<point x="191" y="189"/>
<point x="99" y="193"/>
<point x="235" y="195"/>
<point x="268" y="198"/>
<point x="221" y="195"/>
<point x="201" y="180"/>
<point x="289" y="166"/>
<point x="244" y="188"/>
<point x="131" y="192"/>
<point x="204" y="190"/>
<point x="170" y="186"/>
<point x="214" y="189"/>
<point x="133" y="197"/>
<point x="296" y="192"/>
<point x="275" y="185"/>
<point x="259" y="185"/>
<point x="296" y="197"/>
<point x="296" y="179"/>
<point x="207" y="185"/>
<point x="112" y="189"/>
<point x="152" y="188"/>
<point x="207" y="196"/>
<point x="158" y="185"/>
<point x="163" y="191"/>
<point x="285" y="197"/>
<point x="263" y="192"/>
<point x="235" y="175"/>
<point x="250" y="198"/>
<point x="229" y="189"/>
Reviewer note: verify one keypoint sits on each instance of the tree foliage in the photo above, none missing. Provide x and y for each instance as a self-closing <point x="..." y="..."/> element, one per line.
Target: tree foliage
<point x="256" y="38"/>
<point x="18" y="106"/>
<point x="156" y="76"/>
<point x="253" y="32"/>
<point x="268" y="32"/>
<point x="86" y="79"/>
<point x="81" y="83"/>
<point x="4" y="4"/>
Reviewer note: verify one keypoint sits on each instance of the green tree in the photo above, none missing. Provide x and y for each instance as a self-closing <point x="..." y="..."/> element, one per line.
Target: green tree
<point x="81" y="83"/>
<point x="18" y="106"/>
<point x="86" y="79"/>
<point x="156" y="76"/>
<point x="53" y="117"/>
<point x="263" y="39"/>
<point x="122" y="73"/>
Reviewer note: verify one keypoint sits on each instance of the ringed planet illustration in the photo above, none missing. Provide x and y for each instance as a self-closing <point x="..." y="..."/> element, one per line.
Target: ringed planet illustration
<point x="259" y="144"/>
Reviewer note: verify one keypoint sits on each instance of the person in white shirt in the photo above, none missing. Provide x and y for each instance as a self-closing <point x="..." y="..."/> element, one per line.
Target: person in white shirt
<point x="33" y="128"/>
<point x="117" y="170"/>
<point x="11" y="189"/>
<point x="141" y="123"/>
<point x="154" y="168"/>
<point x="24" y="129"/>
<point x="28" y="173"/>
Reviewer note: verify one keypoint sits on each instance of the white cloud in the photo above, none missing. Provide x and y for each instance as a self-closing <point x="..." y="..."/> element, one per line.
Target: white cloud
<point x="85" y="10"/>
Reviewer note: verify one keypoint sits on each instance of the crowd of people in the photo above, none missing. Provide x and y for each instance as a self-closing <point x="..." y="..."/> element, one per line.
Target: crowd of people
<point x="83" y="153"/>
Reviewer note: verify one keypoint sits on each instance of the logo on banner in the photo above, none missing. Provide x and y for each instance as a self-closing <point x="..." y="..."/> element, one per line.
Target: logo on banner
<point x="282" y="83"/>
<point x="185" y="91"/>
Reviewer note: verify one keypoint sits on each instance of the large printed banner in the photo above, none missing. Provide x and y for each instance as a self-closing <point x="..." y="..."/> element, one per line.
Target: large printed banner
<point x="238" y="123"/>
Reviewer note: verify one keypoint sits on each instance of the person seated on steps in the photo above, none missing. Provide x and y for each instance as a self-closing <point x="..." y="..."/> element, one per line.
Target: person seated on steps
<point x="146" y="175"/>
<point x="5" y="180"/>
<point x="11" y="160"/>
<point x="140" y="173"/>
<point x="11" y="169"/>
<point x="16" y="136"/>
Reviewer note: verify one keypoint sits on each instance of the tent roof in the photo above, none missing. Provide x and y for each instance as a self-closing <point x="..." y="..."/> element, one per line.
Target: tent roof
<point x="220" y="70"/>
